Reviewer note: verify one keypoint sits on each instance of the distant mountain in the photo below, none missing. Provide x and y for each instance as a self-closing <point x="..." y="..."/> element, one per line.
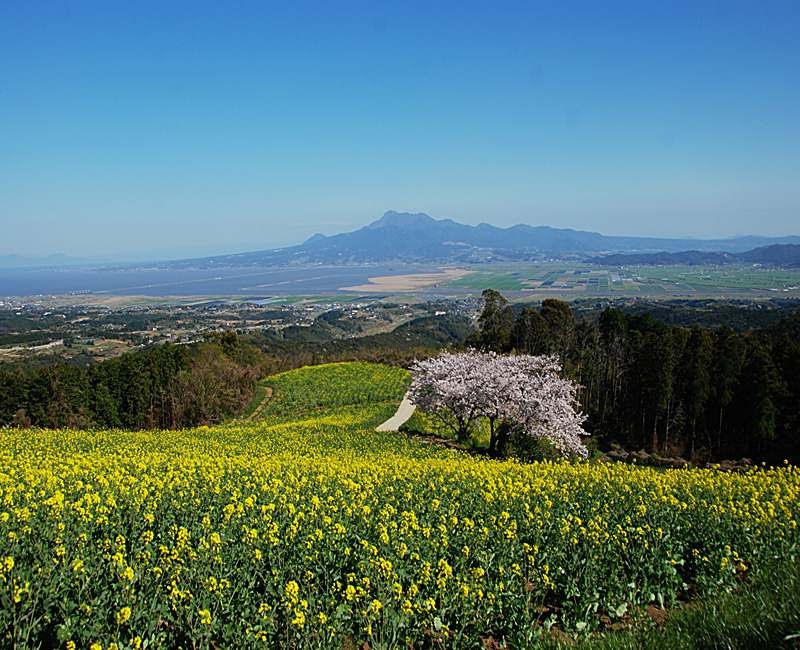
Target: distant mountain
<point x="21" y="261"/>
<point x="774" y="255"/>
<point x="418" y="237"/>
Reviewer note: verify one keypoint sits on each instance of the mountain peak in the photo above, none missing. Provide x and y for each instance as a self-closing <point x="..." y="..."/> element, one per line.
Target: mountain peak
<point x="391" y="218"/>
<point x="419" y="238"/>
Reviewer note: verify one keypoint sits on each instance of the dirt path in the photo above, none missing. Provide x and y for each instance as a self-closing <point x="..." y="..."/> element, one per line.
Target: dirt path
<point x="262" y="405"/>
<point x="404" y="411"/>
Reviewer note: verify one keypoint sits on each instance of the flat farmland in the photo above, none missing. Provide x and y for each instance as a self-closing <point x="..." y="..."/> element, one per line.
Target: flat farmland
<point x="565" y="279"/>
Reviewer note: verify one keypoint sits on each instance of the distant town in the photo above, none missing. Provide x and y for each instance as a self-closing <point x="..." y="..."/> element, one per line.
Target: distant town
<point x="35" y="328"/>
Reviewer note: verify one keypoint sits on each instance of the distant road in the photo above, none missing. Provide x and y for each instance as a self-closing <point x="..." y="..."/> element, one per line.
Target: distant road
<point x="34" y="348"/>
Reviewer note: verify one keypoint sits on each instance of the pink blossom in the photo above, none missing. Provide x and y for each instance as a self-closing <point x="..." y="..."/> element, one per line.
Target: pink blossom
<point x="524" y="391"/>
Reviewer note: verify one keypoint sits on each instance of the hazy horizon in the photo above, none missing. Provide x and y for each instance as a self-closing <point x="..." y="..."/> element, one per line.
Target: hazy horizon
<point x="153" y="130"/>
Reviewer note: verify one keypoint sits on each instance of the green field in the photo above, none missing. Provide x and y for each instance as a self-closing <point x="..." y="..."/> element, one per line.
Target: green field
<point x="721" y="277"/>
<point x="565" y="279"/>
<point x="307" y="528"/>
<point x="500" y="280"/>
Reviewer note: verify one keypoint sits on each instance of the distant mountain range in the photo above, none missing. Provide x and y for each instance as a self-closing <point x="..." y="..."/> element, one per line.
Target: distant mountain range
<point x="774" y="255"/>
<point x="417" y="237"/>
<point x="22" y="261"/>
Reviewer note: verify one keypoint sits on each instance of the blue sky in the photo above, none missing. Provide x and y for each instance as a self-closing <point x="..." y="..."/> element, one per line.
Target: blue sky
<point x="168" y="127"/>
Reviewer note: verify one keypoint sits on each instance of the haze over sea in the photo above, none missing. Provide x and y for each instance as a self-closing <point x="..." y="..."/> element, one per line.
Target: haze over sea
<point x="192" y="282"/>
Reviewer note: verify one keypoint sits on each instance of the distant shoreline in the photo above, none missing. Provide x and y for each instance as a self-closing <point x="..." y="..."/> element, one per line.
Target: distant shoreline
<point x="408" y="282"/>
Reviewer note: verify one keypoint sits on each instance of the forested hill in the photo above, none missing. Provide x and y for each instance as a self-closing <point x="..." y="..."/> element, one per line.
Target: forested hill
<point x="166" y="386"/>
<point x="699" y="392"/>
<point x="775" y="255"/>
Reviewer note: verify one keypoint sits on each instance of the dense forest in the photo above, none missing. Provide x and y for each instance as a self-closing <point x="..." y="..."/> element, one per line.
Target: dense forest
<point x="166" y="386"/>
<point x="697" y="392"/>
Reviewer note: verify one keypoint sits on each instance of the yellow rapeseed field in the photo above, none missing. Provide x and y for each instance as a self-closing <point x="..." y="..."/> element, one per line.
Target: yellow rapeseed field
<point x="309" y="529"/>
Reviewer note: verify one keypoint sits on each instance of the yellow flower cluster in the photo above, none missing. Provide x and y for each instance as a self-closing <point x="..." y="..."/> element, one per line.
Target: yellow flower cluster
<point x="318" y="528"/>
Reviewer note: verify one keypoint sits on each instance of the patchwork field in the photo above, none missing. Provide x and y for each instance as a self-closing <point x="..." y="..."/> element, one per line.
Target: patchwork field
<point x="306" y="528"/>
<point x="578" y="280"/>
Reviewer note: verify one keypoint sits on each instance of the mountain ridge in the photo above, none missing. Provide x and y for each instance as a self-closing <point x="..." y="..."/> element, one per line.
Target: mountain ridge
<point x="418" y="237"/>
<point x="787" y="255"/>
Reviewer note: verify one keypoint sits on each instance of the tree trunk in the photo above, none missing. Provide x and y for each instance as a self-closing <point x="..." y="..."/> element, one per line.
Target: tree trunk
<point x="502" y="438"/>
<point x="654" y="436"/>
<point x="642" y="434"/>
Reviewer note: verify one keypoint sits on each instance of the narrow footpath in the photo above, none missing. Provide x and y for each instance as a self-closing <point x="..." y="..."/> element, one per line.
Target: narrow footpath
<point x="258" y="411"/>
<point x="404" y="411"/>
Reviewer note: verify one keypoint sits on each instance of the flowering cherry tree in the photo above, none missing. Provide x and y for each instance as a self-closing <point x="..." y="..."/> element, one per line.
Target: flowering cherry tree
<point x="446" y="387"/>
<point x="518" y="391"/>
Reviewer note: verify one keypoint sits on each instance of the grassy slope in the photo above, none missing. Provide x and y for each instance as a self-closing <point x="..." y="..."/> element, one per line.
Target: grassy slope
<point x="339" y="404"/>
<point x="335" y="385"/>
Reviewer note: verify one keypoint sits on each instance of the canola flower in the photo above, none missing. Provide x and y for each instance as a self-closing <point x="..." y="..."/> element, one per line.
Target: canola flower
<point x="306" y="530"/>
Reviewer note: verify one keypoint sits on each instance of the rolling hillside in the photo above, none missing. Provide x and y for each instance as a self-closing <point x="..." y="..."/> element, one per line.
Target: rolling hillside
<point x="308" y="529"/>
